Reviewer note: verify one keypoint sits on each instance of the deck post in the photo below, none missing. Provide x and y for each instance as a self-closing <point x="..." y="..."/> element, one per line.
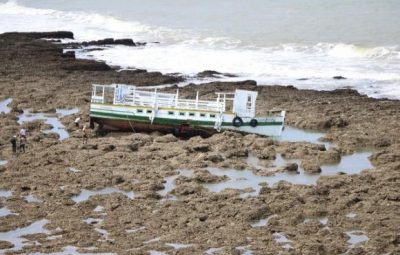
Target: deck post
<point x="103" y="94"/>
<point x="197" y="99"/>
<point x="176" y="97"/>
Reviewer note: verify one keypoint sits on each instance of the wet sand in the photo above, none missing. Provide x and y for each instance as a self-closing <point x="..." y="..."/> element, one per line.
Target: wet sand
<point x="131" y="193"/>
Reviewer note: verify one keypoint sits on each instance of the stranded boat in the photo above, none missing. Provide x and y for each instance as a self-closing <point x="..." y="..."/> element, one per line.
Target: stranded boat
<point x="130" y="108"/>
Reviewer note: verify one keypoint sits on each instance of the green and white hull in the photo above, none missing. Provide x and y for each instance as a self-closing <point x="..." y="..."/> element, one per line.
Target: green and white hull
<point x="185" y="122"/>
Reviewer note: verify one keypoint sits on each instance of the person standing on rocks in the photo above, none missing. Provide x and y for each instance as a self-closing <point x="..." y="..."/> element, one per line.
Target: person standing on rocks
<point x="85" y="136"/>
<point x="77" y="121"/>
<point x="22" y="132"/>
<point x="22" y="143"/>
<point x="14" y="143"/>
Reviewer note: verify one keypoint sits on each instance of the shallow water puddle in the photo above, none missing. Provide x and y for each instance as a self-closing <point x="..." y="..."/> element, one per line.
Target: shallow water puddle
<point x="72" y="250"/>
<point x="4" y="106"/>
<point x="351" y="215"/>
<point x="322" y="220"/>
<point x="15" y="236"/>
<point x="169" y="184"/>
<point x="54" y="121"/>
<point x="212" y="251"/>
<point x="152" y="252"/>
<point x="263" y="222"/>
<point x="73" y="170"/>
<point x="281" y="239"/>
<point x="292" y="134"/>
<point x="356" y="237"/>
<point x="65" y="112"/>
<point x="98" y="208"/>
<point x="3" y="162"/>
<point x="4" y="211"/>
<point x="178" y="246"/>
<point x="152" y="240"/>
<point x="86" y="194"/>
<point x="134" y="230"/>
<point x="243" y="179"/>
<point x="244" y="250"/>
<point x="5" y="193"/>
<point x="32" y="199"/>
<point x="97" y="222"/>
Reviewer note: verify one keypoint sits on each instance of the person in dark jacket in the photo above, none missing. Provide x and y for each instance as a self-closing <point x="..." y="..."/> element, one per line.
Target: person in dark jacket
<point x="14" y="143"/>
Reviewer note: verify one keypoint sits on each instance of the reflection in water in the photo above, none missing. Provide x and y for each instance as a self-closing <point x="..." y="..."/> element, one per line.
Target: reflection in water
<point x="292" y="134"/>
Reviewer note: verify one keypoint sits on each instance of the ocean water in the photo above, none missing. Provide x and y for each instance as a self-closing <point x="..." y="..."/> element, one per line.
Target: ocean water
<point x="299" y="42"/>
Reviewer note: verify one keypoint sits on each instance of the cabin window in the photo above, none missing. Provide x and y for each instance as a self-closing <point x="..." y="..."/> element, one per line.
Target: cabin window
<point x="181" y="114"/>
<point x="212" y="115"/>
<point x="248" y="105"/>
<point x="191" y="113"/>
<point x="139" y="110"/>
<point x="170" y="113"/>
<point x="149" y="111"/>
<point x="202" y="115"/>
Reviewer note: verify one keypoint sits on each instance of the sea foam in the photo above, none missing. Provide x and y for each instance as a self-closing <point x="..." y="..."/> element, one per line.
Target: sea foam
<point x="374" y="71"/>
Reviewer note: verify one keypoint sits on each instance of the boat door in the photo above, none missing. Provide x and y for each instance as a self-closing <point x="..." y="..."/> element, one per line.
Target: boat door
<point x="244" y="103"/>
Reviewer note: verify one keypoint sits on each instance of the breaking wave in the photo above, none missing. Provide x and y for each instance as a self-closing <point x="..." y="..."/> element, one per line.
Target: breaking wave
<point x="374" y="71"/>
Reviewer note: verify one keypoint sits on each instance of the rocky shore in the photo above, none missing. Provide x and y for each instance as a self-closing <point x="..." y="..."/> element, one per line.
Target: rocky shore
<point x="49" y="192"/>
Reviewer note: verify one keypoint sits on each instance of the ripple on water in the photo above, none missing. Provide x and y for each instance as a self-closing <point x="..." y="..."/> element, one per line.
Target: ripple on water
<point x="86" y="194"/>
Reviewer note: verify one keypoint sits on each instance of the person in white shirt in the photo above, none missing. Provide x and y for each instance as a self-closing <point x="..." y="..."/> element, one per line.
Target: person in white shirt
<point x="22" y="132"/>
<point x="77" y="121"/>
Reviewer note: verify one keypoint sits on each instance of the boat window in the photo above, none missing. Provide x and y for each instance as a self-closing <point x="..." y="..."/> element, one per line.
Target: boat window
<point x="191" y="113"/>
<point x="170" y="113"/>
<point x="212" y="115"/>
<point x="202" y="114"/>
<point x="139" y="110"/>
<point x="149" y="111"/>
<point x="182" y="113"/>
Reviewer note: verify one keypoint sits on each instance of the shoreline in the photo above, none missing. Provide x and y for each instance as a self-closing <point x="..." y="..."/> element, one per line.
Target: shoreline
<point x="37" y="75"/>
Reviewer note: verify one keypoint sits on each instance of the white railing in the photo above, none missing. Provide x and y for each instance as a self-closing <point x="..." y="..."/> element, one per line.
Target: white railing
<point x="154" y="99"/>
